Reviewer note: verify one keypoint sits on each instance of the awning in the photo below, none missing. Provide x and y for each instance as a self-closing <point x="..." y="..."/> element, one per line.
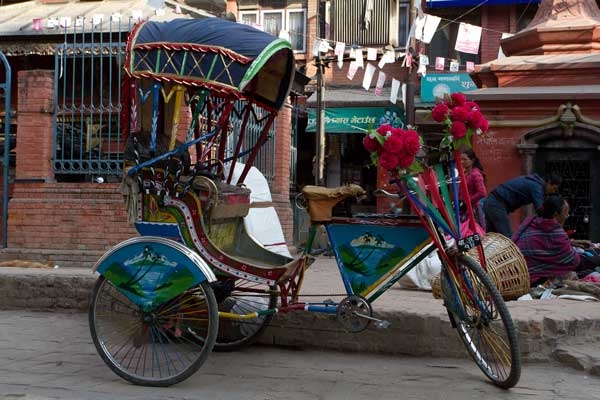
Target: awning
<point x="356" y="119"/>
<point x="471" y="3"/>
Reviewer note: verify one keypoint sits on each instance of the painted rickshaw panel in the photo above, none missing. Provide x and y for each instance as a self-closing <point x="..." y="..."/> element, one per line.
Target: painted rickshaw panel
<point x="152" y="270"/>
<point x="367" y="252"/>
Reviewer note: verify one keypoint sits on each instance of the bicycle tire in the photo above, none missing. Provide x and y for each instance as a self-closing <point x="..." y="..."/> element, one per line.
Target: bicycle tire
<point x="160" y="348"/>
<point x="492" y="343"/>
<point x="244" y="298"/>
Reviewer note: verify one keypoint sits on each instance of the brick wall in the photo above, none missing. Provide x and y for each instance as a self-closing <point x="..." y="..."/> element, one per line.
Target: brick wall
<point x="66" y="223"/>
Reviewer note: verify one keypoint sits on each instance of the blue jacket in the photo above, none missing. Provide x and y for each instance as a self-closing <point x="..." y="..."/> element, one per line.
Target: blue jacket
<point x="521" y="191"/>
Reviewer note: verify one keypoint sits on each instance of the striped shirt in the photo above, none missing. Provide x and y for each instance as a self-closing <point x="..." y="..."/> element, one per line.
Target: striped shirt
<point x="546" y="248"/>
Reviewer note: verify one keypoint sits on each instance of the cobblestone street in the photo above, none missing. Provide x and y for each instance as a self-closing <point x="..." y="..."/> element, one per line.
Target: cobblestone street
<point x="51" y="356"/>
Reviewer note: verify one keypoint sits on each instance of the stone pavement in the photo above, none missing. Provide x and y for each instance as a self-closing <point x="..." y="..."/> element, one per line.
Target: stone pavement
<point x="563" y="330"/>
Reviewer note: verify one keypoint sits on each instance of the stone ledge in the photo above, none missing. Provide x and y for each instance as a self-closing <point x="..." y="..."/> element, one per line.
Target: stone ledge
<point x="547" y="331"/>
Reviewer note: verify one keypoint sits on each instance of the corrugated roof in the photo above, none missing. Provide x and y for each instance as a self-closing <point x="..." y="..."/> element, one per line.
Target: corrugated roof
<point x="18" y="36"/>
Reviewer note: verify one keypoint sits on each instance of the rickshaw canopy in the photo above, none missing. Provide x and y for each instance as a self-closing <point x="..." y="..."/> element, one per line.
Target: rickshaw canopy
<point x="225" y="57"/>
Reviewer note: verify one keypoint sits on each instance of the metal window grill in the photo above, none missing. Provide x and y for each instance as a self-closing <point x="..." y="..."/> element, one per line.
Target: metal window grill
<point x="87" y="129"/>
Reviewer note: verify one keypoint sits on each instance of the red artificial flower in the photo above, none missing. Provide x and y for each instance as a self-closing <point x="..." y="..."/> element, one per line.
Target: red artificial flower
<point x="393" y="144"/>
<point x="385" y="129"/>
<point x="474" y="119"/>
<point x="458" y="99"/>
<point x="458" y="129"/>
<point x="459" y="113"/>
<point x="471" y="105"/>
<point x="439" y="112"/>
<point x="388" y="161"/>
<point x="405" y="160"/>
<point x="412" y="144"/>
<point x="371" y="144"/>
<point x="484" y="124"/>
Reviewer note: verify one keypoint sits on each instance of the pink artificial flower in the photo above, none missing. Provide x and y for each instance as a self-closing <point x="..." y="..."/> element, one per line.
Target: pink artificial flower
<point x="371" y="144"/>
<point x="439" y="112"/>
<point x="388" y="161"/>
<point x="412" y="144"/>
<point x="393" y="144"/>
<point x="459" y="113"/>
<point x="458" y="129"/>
<point x="458" y="99"/>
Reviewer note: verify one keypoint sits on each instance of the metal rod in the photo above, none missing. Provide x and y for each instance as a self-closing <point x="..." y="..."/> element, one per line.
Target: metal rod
<point x="6" y="158"/>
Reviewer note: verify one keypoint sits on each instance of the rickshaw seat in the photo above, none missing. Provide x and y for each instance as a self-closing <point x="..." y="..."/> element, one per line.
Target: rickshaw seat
<point x="321" y="200"/>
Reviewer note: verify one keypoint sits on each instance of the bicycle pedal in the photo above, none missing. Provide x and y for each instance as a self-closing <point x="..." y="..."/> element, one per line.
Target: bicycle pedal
<point x="382" y="324"/>
<point x="379" y="323"/>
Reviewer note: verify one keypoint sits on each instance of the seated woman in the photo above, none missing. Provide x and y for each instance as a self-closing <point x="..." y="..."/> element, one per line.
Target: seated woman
<point x="547" y="248"/>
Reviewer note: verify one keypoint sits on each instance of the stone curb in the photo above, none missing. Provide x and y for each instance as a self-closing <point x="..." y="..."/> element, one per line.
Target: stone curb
<point x="566" y="331"/>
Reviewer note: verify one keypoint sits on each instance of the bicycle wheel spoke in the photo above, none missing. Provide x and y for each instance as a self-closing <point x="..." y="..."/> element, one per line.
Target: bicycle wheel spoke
<point x="242" y="297"/>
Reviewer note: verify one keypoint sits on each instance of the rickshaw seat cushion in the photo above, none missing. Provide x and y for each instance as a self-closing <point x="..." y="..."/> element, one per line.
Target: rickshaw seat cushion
<point x="321" y="200"/>
<point x="230" y="201"/>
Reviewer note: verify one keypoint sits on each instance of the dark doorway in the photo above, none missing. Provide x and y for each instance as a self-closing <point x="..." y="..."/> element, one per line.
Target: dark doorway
<point x="579" y="169"/>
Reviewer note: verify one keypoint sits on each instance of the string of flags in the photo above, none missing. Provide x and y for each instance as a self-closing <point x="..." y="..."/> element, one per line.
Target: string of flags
<point x="40" y="24"/>
<point x="423" y="30"/>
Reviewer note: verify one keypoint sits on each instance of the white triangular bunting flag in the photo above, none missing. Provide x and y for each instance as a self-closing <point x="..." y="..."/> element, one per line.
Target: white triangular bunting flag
<point x="468" y="38"/>
<point x="352" y="68"/>
<point x="395" y="90"/>
<point x="387" y="58"/>
<point x="439" y="63"/>
<point x="359" y="58"/>
<point x="368" y="77"/>
<point x="371" y="54"/>
<point x="426" y="27"/>
<point x="380" y="83"/>
<point x="454" y="66"/>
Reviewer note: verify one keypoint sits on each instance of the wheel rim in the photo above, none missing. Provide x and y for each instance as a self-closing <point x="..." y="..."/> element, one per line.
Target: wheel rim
<point x="164" y="346"/>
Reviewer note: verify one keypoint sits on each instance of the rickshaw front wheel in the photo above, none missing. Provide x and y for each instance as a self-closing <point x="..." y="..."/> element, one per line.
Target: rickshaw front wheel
<point x="158" y="348"/>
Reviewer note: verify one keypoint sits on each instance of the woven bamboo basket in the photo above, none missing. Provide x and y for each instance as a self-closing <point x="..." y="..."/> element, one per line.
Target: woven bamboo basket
<point x="505" y="264"/>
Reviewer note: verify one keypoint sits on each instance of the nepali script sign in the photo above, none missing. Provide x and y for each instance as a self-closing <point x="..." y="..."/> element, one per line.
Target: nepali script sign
<point x="438" y="85"/>
<point x="355" y="119"/>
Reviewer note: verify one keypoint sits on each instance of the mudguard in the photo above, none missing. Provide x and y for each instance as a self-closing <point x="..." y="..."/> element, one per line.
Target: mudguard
<point x="151" y="270"/>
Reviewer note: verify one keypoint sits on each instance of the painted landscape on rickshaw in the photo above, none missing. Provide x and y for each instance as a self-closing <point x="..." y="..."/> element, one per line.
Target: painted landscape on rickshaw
<point x="149" y="274"/>
<point x="367" y="253"/>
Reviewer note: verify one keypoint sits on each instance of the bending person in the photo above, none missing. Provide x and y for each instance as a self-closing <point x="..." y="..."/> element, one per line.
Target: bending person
<point x="514" y="194"/>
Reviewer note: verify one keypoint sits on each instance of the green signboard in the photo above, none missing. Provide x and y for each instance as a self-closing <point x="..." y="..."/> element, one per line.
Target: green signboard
<point x="356" y="119"/>
<point x="437" y="85"/>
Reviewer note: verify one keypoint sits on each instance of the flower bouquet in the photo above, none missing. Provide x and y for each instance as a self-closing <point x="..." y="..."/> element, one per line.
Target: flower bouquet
<point x="394" y="149"/>
<point x="461" y="118"/>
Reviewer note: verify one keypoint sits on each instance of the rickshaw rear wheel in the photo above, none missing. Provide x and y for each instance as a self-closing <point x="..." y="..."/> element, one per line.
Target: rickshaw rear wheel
<point x="242" y="297"/>
<point x="161" y="347"/>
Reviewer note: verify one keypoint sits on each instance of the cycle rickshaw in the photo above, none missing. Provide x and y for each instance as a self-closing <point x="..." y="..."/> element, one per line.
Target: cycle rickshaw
<point x="195" y="280"/>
